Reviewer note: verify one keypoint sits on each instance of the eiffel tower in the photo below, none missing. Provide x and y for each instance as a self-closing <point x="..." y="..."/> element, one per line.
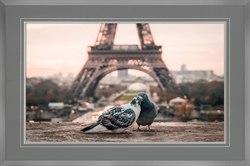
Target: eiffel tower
<point x="105" y="57"/>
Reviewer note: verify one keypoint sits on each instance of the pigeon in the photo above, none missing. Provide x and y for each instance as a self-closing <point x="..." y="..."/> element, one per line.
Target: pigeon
<point x="149" y="111"/>
<point x="118" y="118"/>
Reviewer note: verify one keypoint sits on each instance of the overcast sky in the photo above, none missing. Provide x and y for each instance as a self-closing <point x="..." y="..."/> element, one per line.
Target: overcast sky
<point x="55" y="48"/>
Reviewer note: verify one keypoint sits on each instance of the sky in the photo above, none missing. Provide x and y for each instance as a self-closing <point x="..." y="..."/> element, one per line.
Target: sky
<point x="62" y="48"/>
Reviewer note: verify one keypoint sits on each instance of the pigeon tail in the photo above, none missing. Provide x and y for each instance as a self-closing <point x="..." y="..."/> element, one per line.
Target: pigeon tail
<point x="94" y="128"/>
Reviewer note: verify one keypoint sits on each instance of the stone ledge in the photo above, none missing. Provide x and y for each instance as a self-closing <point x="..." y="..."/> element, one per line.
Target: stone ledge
<point x="161" y="132"/>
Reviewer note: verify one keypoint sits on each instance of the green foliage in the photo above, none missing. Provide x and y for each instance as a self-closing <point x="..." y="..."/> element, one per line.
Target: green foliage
<point x="203" y="92"/>
<point x="46" y="91"/>
<point x="106" y="92"/>
<point x="127" y="97"/>
<point x="165" y="95"/>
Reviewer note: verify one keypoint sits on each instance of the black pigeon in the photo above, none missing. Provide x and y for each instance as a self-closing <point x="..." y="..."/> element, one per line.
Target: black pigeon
<point x="148" y="113"/>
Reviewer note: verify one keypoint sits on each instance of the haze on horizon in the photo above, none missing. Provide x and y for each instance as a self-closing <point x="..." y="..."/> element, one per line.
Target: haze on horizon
<point x="62" y="48"/>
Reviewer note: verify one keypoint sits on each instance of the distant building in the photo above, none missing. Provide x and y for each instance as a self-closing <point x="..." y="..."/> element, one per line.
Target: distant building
<point x="145" y="80"/>
<point x="137" y="86"/>
<point x="185" y="75"/>
<point x="56" y="78"/>
<point x="34" y="80"/>
<point x="183" y="67"/>
<point x="113" y="80"/>
<point x="123" y="73"/>
<point x="110" y="80"/>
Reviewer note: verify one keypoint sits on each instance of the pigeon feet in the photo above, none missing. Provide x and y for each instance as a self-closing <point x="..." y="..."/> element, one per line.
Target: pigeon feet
<point x="127" y="132"/>
<point x="137" y="129"/>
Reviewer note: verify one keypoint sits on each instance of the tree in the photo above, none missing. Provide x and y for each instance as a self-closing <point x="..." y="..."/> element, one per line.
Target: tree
<point x="44" y="92"/>
<point x="203" y="92"/>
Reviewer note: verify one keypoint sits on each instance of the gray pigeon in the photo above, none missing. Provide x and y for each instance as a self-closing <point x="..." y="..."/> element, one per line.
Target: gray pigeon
<point x="118" y="118"/>
<point x="148" y="113"/>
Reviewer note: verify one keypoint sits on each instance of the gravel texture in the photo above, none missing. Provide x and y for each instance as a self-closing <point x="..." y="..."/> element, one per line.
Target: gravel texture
<point x="161" y="132"/>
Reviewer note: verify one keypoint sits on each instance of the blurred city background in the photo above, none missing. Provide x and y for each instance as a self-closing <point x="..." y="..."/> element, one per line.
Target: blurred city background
<point x="49" y="98"/>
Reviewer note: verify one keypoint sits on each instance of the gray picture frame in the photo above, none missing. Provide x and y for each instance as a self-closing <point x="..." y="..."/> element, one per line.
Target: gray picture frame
<point x="6" y="80"/>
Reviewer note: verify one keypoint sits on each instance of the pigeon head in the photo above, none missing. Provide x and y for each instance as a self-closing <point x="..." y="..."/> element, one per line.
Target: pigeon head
<point x="144" y="96"/>
<point x="145" y="102"/>
<point x="137" y="100"/>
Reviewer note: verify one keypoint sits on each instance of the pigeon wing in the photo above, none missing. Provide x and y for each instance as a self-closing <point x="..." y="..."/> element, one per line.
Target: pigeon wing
<point x="117" y="117"/>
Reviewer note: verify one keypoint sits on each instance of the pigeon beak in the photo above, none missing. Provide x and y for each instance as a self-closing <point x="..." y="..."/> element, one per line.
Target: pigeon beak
<point x="140" y="97"/>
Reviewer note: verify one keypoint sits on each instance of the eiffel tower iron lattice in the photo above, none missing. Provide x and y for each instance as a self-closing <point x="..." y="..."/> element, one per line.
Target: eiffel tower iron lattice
<point x="105" y="57"/>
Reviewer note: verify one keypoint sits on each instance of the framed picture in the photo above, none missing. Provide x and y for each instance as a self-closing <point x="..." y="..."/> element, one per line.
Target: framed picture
<point x="203" y="44"/>
<point x="55" y="95"/>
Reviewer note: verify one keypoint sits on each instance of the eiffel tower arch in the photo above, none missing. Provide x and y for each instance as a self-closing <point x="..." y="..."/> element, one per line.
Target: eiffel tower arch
<point x="105" y="57"/>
